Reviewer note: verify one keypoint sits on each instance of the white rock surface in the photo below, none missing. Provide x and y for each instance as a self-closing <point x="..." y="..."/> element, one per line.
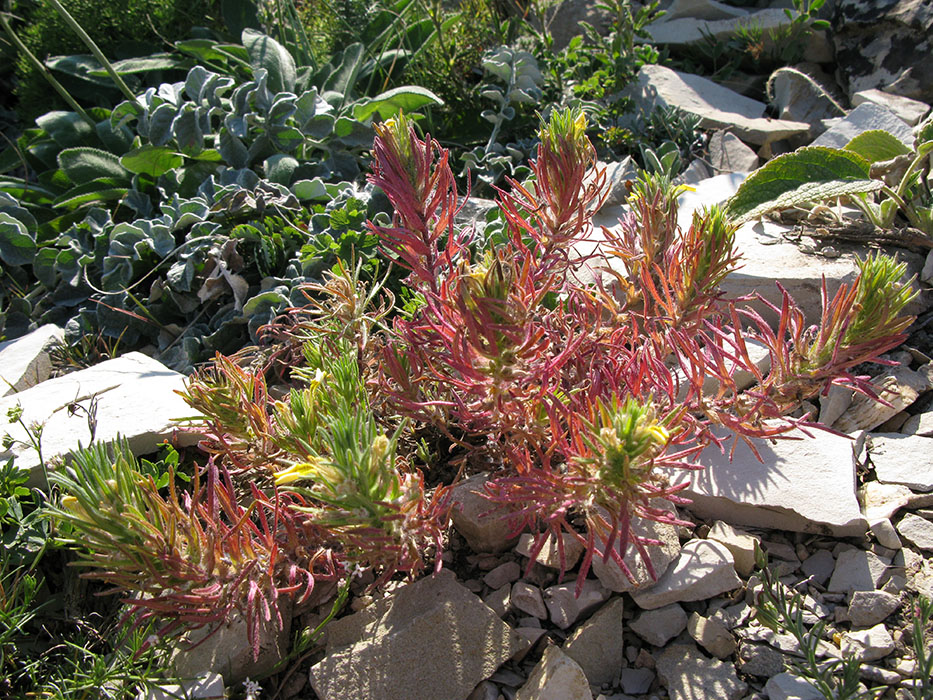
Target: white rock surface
<point x="597" y="643"/>
<point x="428" y="640"/>
<point x="688" y="675"/>
<point x="866" y="117"/>
<point x="885" y="533"/>
<point x="869" y="645"/>
<point x="556" y="677"/>
<point x="25" y="362"/>
<point x="135" y="398"/>
<point x="703" y="570"/>
<point x="920" y="424"/>
<point x="659" y="626"/>
<point x="899" y="386"/>
<point x="917" y="530"/>
<point x="566" y="607"/>
<point x="911" y="111"/>
<point x="551" y="555"/>
<point x="903" y="459"/>
<point x="528" y="599"/>
<point x="207" y="686"/>
<point x="805" y="485"/>
<point x="716" y="106"/>
<point x="682" y="30"/>
<point x="712" y="635"/>
<point x="857" y="570"/>
<point x="479" y="520"/>
<point x="819" y="565"/>
<point x="868" y="608"/>
<point x="798" y="97"/>
<point x="786" y="686"/>
<point x="880" y="500"/>
<point x="727" y="153"/>
<point x="740" y="543"/>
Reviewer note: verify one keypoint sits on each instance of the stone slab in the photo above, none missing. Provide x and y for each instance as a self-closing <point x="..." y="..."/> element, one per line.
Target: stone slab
<point x="25" y="362"/>
<point x="703" y="570"/>
<point x="903" y="459"/>
<point x="135" y="397"/>
<point x="911" y="111"/>
<point x="688" y="675"/>
<point x="429" y="640"/>
<point x="866" y="117"/>
<point x="556" y="677"/>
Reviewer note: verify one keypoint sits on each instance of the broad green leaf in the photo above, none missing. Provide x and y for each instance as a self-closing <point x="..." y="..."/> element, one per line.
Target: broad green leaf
<point x="310" y="189"/>
<point x="401" y="99"/>
<point x="187" y="130"/>
<point x="346" y="68"/>
<point x="808" y="174"/>
<point x="67" y="129"/>
<point x="264" y="301"/>
<point x="160" y="124"/>
<point x="279" y="168"/>
<point x="143" y="64"/>
<point x="106" y="189"/>
<point x="83" y="165"/>
<point x="877" y="145"/>
<point x="17" y="244"/>
<point x="352" y="133"/>
<point x="266" y="52"/>
<point x="79" y="66"/>
<point x="152" y="160"/>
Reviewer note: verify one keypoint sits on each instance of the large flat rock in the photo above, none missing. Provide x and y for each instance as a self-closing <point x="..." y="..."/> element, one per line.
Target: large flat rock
<point x="717" y="107"/>
<point x="803" y="485"/>
<point x="25" y="362"/>
<point x="133" y="396"/>
<point x="429" y="640"/>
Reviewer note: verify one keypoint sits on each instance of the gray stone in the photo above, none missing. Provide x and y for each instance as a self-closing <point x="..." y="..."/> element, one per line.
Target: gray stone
<point x="636" y="681"/>
<point x="556" y="677"/>
<point x="504" y="573"/>
<point x="885" y="44"/>
<point x="898" y="386"/>
<point x="727" y="154"/>
<point x="759" y="660"/>
<point x="740" y="543"/>
<point x="117" y="387"/>
<point x="412" y="645"/>
<point x="228" y="652"/>
<point x="207" y="686"/>
<point x="911" y="111"/>
<point x="805" y="485"/>
<point x="688" y="675"/>
<point x="866" y="117"/>
<point x="712" y="635"/>
<point x="597" y="644"/>
<point x="716" y="106"/>
<point x="685" y="30"/>
<point x="610" y="574"/>
<point x="703" y="570"/>
<point x="786" y="686"/>
<point x="868" y="608"/>
<point x="481" y="523"/>
<point x="500" y="600"/>
<point x="25" y="361"/>
<point x="834" y="403"/>
<point x="701" y="10"/>
<point x="661" y="625"/>
<point x="487" y="690"/>
<point x="885" y="533"/>
<point x="564" y="23"/>
<point x="917" y="530"/>
<point x="903" y="459"/>
<point x="473" y="212"/>
<point x="798" y="97"/>
<point x="869" y="645"/>
<point x="881" y="500"/>
<point x="566" y="606"/>
<point x="819" y="566"/>
<point x="551" y="555"/>
<point x="857" y="570"/>
<point x="528" y="599"/>
<point x="920" y="424"/>
<point x="619" y="175"/>
<point x="694" y="173"/>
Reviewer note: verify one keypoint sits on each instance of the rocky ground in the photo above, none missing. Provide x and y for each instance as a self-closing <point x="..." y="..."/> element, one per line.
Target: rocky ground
<point x="845" y="518"/>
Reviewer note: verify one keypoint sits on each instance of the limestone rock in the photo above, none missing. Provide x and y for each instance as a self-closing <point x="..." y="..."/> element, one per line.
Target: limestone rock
<point x="611" y="575"/>
<point x="917" y="530"/>
<point x="786" y="686"/>
<point x="478" y="519"/>
<point x="551" y="555"/>
<point x="868" y="608"/>
<point x="528" y="599"/>
<point x="716" y="106"/>
<point x="834" y="403"/>
<point x="566" y="607"/>
<point x="866" y="117"/>
<point x="759" y="660"/>
<point x="798" y="97"/>
<point x="507" y="572"/>
<point x="116" y="386"/>
<point x="597" y="644"/>
<point x="885" y="44"/>
<point x="565" y="22"/>
<point x="25" y="361"/>
<point x="688" y="675"/>
<point x="412" y="645"/>
<point x="740" y="543"/>
<point x="636" y="681"/>
<point x="911" y="111"/>
<point x="899" y="386"/>
<point x="712" y="635"/>
<point x="920" y="424"/>
<point x="556" y="677"/>
<point x="857" y="570"/>
<point x="727" y="154"/>
<point x="819" y="565"/>
<point x="903" y="459"/>
<point x="880" y="500"/>
<point x="207" y="686"/>
<point x="869" y="645"/>
<point x="703" y="570"/>
<point x="659" y="626"/>
<point x="885" y="533"/>
<point x="805" y="485"/>
<point x="685" y="30"/>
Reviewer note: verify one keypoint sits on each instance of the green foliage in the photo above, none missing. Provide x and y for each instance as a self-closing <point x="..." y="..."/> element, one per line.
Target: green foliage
<point x="123" y="29"/>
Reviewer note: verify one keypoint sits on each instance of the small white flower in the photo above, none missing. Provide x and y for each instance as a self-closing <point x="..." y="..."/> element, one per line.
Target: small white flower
<point x="252" y="689"/>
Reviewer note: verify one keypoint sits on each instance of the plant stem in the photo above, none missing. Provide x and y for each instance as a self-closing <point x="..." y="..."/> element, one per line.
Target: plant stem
<point x="98" y="54"/>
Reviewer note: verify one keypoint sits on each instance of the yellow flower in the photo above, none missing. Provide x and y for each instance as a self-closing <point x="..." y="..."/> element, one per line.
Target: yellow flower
<point x="316" y="469"/>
